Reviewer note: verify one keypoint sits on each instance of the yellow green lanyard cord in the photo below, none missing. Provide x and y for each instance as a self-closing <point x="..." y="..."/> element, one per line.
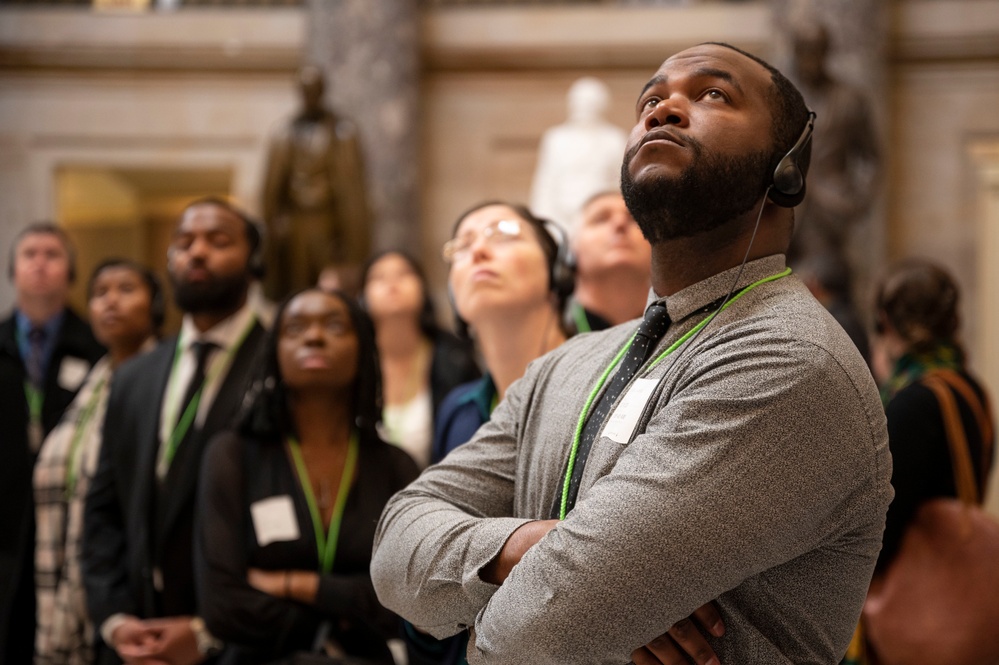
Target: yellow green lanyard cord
<point x="73" y="457"/>
<point x="35" y="398"/>
<point x="617" y="359"/>
<point x="187" y="418"/>
<point x="579" y="316"/>
<point x="326" y="544"/>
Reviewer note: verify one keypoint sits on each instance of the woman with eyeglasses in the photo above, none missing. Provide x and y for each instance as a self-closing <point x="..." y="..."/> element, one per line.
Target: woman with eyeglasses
<point x="289" y="502"/>
<point x="420" y="363"/>
<point x="509" y="278"/>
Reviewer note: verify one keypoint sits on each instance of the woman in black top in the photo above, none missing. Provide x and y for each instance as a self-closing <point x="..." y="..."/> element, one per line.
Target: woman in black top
<point x="917" y="323"/>
<point x="289" y="503"/>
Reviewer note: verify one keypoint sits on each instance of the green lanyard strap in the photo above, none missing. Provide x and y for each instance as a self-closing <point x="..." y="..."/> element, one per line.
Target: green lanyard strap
<point x="579" y="316"/>
<point x="617" y="359"/>
<point x="35" y="398"/>
<point x="326" y="543"/>
<point x="73" y="457"/>
<point x="187" y="418"/>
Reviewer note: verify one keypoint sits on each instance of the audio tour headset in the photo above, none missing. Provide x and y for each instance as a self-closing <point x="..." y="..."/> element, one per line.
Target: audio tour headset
<point x="788" y="187"/>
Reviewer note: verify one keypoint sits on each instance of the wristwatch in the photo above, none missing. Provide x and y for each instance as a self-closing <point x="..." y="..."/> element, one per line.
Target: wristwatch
<point x="208" y="645"/>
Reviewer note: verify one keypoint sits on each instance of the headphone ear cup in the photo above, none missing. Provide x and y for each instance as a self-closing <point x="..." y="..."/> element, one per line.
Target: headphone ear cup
<point x="787" y="188"/>
<point x="562" y="277"/>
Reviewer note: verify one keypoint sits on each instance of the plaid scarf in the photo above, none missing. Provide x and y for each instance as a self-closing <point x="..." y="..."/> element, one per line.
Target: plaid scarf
<point x="912" y="367"/>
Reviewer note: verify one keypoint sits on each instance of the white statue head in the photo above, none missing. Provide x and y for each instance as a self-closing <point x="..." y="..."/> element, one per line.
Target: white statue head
<point x="588" y="99"/>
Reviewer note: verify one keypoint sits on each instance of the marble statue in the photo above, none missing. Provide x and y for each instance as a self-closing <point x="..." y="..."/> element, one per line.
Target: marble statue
<point x="578" y="158"/>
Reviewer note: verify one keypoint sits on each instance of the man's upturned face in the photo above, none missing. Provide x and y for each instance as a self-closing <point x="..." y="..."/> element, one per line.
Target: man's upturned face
<point x="207" y="260"/>
<point x="699" y="154"/>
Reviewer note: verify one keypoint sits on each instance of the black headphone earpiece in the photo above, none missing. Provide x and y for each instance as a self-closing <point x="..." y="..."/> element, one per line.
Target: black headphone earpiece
<point x="562" y="274"/>
<point x="788" y="187"/>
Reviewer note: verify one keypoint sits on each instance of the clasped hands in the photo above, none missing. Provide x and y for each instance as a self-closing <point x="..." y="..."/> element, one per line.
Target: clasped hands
<point x="677" y="646"/>
<point x="167" y="641"/>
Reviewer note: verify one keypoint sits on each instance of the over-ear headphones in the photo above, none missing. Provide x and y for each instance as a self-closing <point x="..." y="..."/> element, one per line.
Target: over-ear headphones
<point x="562" y="272"/>
<point x="788" y="187"/>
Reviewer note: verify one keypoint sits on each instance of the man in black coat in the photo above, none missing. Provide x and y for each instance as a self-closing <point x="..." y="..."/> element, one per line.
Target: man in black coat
<point x="46" y="351"/>
<point x="163" y="408"/>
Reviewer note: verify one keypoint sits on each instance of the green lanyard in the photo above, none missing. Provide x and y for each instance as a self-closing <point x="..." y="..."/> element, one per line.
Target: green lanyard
<point x="326" y="543"/>
<point x="73" y="458"/>
<point x="187" y="418"/>
<point x="617" y="359"/>
<point x="35" y="398"/>
<point x="579" y="316"/>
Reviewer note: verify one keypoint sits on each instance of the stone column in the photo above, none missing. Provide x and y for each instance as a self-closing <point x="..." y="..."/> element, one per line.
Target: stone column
<point x="369" y="52"/>
<point x="848" y="178"/>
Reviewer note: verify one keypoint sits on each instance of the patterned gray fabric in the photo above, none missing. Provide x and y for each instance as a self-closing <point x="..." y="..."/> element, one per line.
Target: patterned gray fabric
<point x="653" y="327"/>
<point x="761" y="479"/>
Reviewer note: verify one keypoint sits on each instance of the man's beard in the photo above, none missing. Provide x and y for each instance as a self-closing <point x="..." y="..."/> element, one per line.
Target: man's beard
<point x="222" y="293"/>
<point x="713" y="190"/>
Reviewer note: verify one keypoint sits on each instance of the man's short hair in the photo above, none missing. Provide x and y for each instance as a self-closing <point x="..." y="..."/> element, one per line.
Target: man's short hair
<point x="43" y="228"/>
<point x="251" y="227"/>
<point x="790" y="112"/>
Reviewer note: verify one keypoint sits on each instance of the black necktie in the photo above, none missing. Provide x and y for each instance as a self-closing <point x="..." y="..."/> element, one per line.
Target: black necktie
<point x="649" y="333"/>
<point x="36" y="353"/>
<point x="202" y="352"/>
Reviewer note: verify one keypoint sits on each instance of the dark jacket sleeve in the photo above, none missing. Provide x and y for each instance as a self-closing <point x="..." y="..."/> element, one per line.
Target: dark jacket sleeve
<point x="105" y="546"/>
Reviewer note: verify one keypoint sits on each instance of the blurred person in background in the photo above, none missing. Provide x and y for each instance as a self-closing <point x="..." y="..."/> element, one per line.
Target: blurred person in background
<point x="126" y="311"/>
<point x="289" y="502"/>
<point x="420" y="363"/>
<point x="164" y="407"/>
<point x="917" y="322"/>
<point x="509" y="278"/>
<point x="46" y="350"/>
<point x="613" y="265"/>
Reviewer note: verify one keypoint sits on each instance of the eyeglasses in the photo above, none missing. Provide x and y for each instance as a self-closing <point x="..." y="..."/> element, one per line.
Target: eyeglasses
<point x="500" y="231"/>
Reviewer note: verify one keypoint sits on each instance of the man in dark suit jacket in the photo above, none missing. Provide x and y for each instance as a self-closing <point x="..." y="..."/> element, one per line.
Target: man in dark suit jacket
<point x="163" y="408"/>
<point x="45" y="352"/>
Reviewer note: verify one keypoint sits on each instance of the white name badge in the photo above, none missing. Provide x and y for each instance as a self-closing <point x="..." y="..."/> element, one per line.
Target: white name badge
<point x="274" y="520"/>
<point x="621" y="423"/>
<point x="72" y="372"/>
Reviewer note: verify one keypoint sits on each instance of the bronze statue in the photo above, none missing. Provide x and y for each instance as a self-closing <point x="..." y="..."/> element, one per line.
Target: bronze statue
<point x="314" y="199"/>
<point x="843" y="179"/>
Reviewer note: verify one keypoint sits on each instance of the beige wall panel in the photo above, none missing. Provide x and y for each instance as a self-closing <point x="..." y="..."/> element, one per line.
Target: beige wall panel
<point x="133" y="120"/>
<point x="940" y="112"/>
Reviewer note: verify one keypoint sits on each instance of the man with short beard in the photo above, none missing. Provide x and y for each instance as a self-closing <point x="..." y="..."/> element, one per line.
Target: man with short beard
<point x="163" y="408"/>
<point x="731" y="447"/>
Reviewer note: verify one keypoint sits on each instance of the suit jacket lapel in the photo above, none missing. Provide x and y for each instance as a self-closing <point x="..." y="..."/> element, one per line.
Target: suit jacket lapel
<point x="151" y="404"/>
<point x="182" y="477"/>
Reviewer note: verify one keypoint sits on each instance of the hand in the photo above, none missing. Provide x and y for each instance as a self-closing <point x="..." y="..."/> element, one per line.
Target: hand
<point x="524" y="538"/>
<point x="300" y="585"/>
<point x="131" y="636"/>
<point x="684" y="640"/>
<point x="271" y="582"/>
<point x="173" y="643"/>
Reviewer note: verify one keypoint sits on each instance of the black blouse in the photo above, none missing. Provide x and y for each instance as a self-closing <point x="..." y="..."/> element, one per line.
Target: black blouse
<point x="921" y="464"/>
<point x="256" y="626"/>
